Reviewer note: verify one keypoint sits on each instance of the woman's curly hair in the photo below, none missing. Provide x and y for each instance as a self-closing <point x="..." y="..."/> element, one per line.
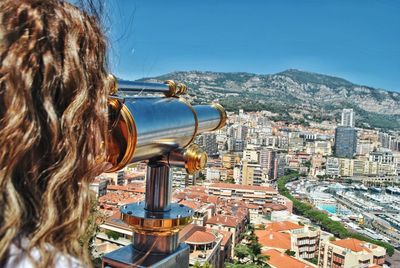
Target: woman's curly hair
<point x="53" y="122"/>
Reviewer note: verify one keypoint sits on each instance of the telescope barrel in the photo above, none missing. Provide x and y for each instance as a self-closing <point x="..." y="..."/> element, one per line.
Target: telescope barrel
<point x="169" y="88"/>
<point x="133" y="86"/>
<point x="153" y="126"/>
<point x="211" y="117"/>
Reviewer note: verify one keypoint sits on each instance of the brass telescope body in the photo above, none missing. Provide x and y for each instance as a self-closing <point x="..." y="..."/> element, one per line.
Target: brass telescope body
<point x="148" y="127"/>
<point x="161" y="130"/>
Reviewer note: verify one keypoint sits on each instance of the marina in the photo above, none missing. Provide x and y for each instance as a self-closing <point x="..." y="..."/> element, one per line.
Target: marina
<point x="369" y="210"/>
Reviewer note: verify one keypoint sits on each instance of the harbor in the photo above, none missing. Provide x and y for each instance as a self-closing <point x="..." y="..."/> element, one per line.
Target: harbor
<point x="369" y="210"/>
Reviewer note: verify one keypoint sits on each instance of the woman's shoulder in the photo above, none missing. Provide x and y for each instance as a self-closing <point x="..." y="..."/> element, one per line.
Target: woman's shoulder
<point x="19" y="258"/>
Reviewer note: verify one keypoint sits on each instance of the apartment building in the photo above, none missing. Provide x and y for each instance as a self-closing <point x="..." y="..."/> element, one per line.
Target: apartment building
<point x="286" y="235"/>
<point x="232" y="224"/>
<point x="253" y="194"/>
<point x="350" y="253"/>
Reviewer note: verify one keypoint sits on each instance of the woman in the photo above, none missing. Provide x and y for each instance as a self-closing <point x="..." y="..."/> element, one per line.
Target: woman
<point x="53" y="122"/>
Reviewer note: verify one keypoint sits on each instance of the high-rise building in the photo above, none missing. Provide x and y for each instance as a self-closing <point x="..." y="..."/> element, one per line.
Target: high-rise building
<point x="241" y="132"/>
<point x="235" y="145"/>
<point x="251" y="174"/>
<point x="345" y="142"/>
<point x="208" y="141"/>
<point x="348" y="118"/>
<point x="273" y="162"/>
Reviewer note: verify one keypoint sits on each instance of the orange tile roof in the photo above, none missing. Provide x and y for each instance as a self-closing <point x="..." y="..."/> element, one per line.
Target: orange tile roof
<point x="226" y="236"/>
<point x="280" y="226"/>
<point x="251" y="206"/>
<point x="213" y="199"/>
<point x="242" y="187"/>
<point x="190" y="204"/>
<point x="116" y="215"/>
<point x="188" y="230"/>
<point x="196" y="189"/>
<point x="352" y="244"/>
<point x="200" y="237"/>
<point x="132" y="187"/>
<point x="117" y="198"/>
<point x="281" y="260"/>
<point x="224" y="221"/>
<point x="275" y="207"/>
<point x="273" y="239"/>
<point x="133" y="199"/>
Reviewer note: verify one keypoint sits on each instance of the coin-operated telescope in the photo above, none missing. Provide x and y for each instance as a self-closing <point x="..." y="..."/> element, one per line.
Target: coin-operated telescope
<point x="161" y="130"/>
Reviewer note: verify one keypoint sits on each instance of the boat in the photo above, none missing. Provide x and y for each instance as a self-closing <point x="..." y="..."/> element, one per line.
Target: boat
<point x="375" y="189"/>
<point x="393" y="190"/>
<point x="363" y="188"/>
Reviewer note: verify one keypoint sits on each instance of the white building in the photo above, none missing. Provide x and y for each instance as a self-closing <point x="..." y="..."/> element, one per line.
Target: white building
<point x="348" y="118"/>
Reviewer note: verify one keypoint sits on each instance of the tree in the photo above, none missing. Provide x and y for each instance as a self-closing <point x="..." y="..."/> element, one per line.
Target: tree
<point x="307" y="163"/>
<point x="251" y="252"/>
<point x="204" y="265"/>
<point x="92" y="227"/>
<point x="242" y="252"/>
<point x="290" y="252"/>
<point x="314" y="261"/>
<point x="112" y="234"/>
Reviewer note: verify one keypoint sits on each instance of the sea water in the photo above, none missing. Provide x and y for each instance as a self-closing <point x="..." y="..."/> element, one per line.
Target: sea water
<point x="331" y="208"/>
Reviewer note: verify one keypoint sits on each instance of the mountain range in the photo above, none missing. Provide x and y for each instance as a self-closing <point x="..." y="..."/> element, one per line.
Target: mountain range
<point x="293" y="95"/>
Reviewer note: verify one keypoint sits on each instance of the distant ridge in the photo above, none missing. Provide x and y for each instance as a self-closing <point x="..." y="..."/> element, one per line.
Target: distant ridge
<point x="316" y="97"/>
<point x="309" y="77"/>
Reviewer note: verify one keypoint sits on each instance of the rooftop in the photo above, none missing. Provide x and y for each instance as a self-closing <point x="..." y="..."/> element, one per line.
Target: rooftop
<point x="191" y="204"/>
<point x="200" y="238"/>
<point x="354" y="244"/>
<point x="275" y="207"/>
<point x="281" y="260"/>
<point x="273" y="239"/>
<point x="242" y="187"/>
<point x="281" y="226"/>
<point x="224" y="220"/>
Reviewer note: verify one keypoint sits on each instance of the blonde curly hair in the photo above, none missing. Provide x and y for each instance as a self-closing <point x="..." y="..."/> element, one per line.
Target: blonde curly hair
<point x="53" y="122"/>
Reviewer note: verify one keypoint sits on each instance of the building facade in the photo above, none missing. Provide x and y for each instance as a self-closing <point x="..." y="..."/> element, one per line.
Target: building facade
<point x="350" y="253"/>
<point x="345" y="142"/>
<point x="348" y="118"/>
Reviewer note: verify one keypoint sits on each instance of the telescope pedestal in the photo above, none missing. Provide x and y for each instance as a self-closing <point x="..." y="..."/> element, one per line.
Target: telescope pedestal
<point x="128" y="256"/>
<point x="156" y="224"/>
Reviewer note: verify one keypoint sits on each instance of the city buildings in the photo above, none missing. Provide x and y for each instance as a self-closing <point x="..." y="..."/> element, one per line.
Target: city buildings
<point x="238" y="187"/>
<point x="345" y="141"/>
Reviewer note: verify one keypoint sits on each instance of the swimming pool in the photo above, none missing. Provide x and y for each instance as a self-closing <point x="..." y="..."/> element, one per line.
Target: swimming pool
<point x="330" y="208"/>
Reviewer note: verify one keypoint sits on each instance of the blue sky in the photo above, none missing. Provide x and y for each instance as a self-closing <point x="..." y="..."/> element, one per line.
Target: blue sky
<point x="356" y="40"/>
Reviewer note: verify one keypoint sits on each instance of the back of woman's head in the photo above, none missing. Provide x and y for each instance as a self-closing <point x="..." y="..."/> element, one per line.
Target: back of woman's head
<point x="52" y="124"/>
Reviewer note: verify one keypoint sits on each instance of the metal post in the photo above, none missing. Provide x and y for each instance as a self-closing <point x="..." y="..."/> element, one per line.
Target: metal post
<point x="158" y="187"/>
<point x="157" y="201"/>
<point x="156" y="224"/>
